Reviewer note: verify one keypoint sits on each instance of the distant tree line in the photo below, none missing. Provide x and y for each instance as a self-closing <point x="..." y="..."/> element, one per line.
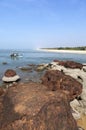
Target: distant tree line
<point x="72" y="48"/>
<point x="68" y="48"/>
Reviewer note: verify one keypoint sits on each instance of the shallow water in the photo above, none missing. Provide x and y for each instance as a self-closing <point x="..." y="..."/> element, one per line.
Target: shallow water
<point x="32" y="57"/>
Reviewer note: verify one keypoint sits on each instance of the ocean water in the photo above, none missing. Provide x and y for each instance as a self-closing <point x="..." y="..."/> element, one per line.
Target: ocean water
<point x="32" y="57"/>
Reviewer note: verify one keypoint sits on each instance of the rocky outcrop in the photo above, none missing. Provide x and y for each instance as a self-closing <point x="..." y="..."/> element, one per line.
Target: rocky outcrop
<point x="32" y="107"/>
<point x="10" y="76"/>
<point x="69" y="64"/>
<point x="55" y="80"/>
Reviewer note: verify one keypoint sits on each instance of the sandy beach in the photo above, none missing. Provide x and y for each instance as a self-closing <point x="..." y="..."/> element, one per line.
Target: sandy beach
<point x="64" y="51"/>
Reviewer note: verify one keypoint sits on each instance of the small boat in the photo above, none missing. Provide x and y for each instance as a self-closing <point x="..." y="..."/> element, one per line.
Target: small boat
<point x="14" y="55"/>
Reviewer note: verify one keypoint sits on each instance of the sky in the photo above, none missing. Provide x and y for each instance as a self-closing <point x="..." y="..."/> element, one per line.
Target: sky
<point x="28" y="24"/>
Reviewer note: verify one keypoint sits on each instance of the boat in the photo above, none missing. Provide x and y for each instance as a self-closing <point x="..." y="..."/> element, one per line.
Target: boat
<point x="14" y="55"/>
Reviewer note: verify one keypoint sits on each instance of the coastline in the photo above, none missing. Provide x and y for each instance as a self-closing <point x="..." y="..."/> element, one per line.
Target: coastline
<point x="63" y="51"/>
<point x="79" y="111"/>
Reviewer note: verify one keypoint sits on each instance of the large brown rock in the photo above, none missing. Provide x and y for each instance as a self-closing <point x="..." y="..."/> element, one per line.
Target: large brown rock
<point x="33" y="107"/>
<point x="55" y="79"/>
<point x="10" y="73"/>
<point x="69" y="64"/>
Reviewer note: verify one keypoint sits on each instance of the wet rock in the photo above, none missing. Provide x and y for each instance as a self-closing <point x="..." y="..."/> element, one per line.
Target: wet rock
<point x="4" y="63"/>
<point x="32" y="65"/>
<point x="41" y="67"/>
<point x="10" y="76"/>
<point x="26" y="68"/>
<point x="69" y="64"/>
<point x="55" y="79"/>
<point x="32" y="107"/>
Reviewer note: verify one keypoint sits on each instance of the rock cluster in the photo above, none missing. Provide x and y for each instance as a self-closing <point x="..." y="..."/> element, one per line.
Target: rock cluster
<point x="77" y="72"/>
<point x="50" y="105"/>
<point x="55" y="80"/>
<point x="32" y="107"/>
<point x="69" y="64"/>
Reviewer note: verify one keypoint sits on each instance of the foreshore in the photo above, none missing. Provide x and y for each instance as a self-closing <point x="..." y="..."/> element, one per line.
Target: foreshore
<point x="51" y="84"/>
<point x="64" y="51"/>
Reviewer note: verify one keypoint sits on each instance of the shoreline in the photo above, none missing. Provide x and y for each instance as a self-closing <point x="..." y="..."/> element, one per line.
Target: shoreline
<point x="77" y="106"/>
<point x="63" y="51"/>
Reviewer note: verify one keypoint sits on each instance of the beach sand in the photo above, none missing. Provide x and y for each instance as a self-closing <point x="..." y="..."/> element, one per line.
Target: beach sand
<point x="64" y="51"/>
<point x="82" y="122"/>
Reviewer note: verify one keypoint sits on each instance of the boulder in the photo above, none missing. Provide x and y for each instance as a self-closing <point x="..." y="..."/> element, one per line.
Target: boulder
<point x="10" y="76"/>
<point x="10" y="73"/>
<point x="55" y="79"/>
<point x="69" y="64"/>
<point x="32" y="107"/>
<point x="78" y="74"/>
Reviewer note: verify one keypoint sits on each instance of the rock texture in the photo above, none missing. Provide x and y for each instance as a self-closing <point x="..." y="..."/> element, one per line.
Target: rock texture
<point x="1" y="91"/>
<point x="32" y="107"/>
<point x="69" y="64"/>
<point x="10" y="73"/>
<point x="55" y="80"/>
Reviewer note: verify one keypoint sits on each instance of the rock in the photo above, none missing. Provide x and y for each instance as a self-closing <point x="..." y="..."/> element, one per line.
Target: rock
<point x="1" y="91"/>
<point x="76" y="114"/>
<point x="26" y="68"/>
<point x="74" y="103"/>
<point x="55" y="79"/>
<point x="80" y="128"/>
<point x="79" y="104"/>
<point x="10" y="76"/>
<point x="41" y="67"/>
<point x="76" y="73"/>
<point x="69" y="64"/>
<point x="32" y="107"/>
<point x="10" y="73"/>
<point x="4" y="63"/>
<point x="83" y="98"/>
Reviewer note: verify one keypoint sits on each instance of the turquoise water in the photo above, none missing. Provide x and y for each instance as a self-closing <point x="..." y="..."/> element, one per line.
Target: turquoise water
<point x="33" y="57"/>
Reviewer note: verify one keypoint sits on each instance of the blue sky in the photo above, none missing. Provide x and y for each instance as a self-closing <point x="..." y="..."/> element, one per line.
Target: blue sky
<point x="42" y="23"/>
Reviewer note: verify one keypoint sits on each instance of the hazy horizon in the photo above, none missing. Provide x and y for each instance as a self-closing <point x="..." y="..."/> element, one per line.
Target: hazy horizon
<point x="26" y="24"/>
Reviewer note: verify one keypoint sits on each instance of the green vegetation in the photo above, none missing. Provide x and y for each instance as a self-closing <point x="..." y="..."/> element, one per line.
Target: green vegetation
<point x="68" y="48"/>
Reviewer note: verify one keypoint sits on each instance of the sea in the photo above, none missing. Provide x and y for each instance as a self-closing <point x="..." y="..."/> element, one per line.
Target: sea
<point x="36" y="57"/>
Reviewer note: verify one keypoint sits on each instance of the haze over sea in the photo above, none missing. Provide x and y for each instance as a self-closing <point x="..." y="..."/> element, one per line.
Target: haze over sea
<point x="32" y="57"/>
